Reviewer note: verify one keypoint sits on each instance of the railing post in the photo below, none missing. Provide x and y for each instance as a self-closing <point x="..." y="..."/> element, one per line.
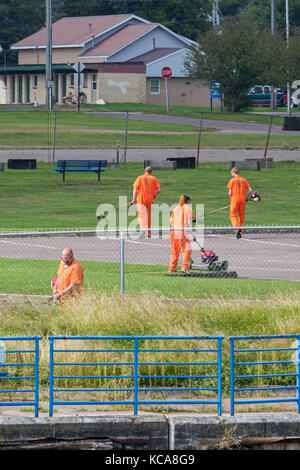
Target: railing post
<point x="231" y="376"/>
<point x="122" y="261"/>
<point x="51" y="379"/>
<point x="36" y="378"/>
<point x="135" y="374"/>
<point x="298" y="374"/>
<point x="219" y="376"/>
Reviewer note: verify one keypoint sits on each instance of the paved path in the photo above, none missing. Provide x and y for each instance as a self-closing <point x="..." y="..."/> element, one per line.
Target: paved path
<point x="256" y="256"/>
<point x="139" y="155"/>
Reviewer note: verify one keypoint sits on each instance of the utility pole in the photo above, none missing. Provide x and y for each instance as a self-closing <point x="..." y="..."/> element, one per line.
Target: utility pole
<point x="273" y="90"/>
<point x="48" y="77"/>
<point x="215" y="13"/>
<point x="272" y="16"/>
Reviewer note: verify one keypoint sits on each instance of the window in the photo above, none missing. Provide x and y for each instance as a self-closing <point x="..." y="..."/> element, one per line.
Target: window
<point x="154" y="86"/>
<point x="72" y="80"/>
<point x="257" y="89"/>
<point x="5" y="81"/>
<point x="85" y="80"/>
<point x="188" y="83"/>
<point x="94" y="81"/>
<point x="35" y="81"/>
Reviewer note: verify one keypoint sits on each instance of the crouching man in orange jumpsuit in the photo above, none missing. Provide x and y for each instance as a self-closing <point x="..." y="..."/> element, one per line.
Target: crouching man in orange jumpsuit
<point x="182" y="216"/>
<point x="69" y="278"/>
<point x="145" y="189"/>
<point x="239" y="191"/>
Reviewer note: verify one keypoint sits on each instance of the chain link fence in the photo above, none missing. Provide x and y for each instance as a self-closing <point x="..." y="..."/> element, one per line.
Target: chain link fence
<point x="263" y="261"/>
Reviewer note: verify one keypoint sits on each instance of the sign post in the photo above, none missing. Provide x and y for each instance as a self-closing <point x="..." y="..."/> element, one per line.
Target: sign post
<point x="78" y="67"/>
<point x="166" y="73"/>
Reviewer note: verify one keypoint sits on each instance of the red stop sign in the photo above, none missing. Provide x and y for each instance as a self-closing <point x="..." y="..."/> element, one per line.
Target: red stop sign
<point x="166" y="72"/>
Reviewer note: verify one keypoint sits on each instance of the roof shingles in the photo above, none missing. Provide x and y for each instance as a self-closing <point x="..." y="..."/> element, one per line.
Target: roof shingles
<point x="119" y="39"/>
<point x="73" y="30"/>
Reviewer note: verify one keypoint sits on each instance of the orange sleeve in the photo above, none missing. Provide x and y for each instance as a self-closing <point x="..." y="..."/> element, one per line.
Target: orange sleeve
<point x="59" y="268"/>
<point x="229" y="185"/>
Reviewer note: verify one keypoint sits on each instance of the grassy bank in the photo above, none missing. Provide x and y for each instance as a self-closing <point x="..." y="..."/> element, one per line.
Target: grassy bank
<point x="102" y="314"/>
<point x="39" y="199"/>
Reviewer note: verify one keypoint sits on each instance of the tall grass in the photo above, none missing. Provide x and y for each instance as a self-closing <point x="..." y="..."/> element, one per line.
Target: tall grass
<point x="98" y="313"/>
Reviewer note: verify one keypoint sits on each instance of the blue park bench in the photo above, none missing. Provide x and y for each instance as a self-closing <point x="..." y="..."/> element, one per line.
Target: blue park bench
<point x="80" y="165"/>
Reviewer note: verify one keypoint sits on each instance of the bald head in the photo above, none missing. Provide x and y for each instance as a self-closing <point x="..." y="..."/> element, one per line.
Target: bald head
<point x="67" y="256"/>
<point x="148" y="170"/>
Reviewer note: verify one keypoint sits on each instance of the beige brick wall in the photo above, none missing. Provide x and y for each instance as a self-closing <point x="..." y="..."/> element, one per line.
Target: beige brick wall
<point x="182" y="92"/>
<point x="124" y="87"/>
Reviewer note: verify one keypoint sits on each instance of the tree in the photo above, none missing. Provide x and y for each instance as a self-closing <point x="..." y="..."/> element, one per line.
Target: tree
<point x="230" y="55"/>
<point x="281" y="60"/>
<point x="186" y="17"/>
<point x="18" y="20"/>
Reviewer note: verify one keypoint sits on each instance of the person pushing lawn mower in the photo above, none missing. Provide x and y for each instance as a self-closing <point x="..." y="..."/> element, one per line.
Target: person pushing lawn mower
<point x="239" y="192"/>
<point x="182" y="217"/>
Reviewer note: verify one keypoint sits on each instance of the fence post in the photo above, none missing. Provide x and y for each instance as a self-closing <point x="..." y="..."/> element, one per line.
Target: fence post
<point x="135" y="375"/>
<point x="122" y="262"/>
<point x="219" y="376"/>
<point x="298" y="374"/>
<point x="51" y="378"/>
<point x="36" y="378"/>
<point x="231" y="376"/>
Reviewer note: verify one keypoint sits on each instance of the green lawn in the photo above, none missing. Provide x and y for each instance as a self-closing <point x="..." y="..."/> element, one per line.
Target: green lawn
<point x="37" y="199"/>
<point x="253" y="114"/>
<point x="18" y="121"/>
<point x="27" y="276"/>
<point x="86" y="130"/>
<point x="74" y="139"/>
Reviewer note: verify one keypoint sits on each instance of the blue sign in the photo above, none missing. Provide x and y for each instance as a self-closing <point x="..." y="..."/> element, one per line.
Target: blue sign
<point x="215" y="92"/>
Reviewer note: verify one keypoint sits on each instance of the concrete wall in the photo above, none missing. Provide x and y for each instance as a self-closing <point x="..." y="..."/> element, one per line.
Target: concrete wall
<point x="122" y="88"/>
<point x="182" y="92"/>
<point x="170" y="432"/>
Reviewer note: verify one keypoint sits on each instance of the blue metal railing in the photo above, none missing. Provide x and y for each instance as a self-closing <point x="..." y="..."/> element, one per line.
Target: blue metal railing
<point x="135" y="379"/>
<point x="262" y="363"/>
<point x="10" y="371"/>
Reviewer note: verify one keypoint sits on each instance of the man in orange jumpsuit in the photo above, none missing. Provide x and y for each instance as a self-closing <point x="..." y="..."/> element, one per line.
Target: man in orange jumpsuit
<point x="69" y="277"/>
<point x="239" y="191"/>
<point x="145" y="189"/>
<point x="182" y="216"/>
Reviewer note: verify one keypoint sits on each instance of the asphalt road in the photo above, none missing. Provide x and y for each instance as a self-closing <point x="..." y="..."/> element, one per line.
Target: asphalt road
<point x="254" y="256"/>
<point x="139" y="155"/>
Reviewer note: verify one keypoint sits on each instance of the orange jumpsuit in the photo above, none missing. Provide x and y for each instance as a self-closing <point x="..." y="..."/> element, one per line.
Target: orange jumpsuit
<point x="181" y="217"/>
<point x="70" y="274"/>
<point x="147" y="186"/>
<point x="239" y="187"/>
